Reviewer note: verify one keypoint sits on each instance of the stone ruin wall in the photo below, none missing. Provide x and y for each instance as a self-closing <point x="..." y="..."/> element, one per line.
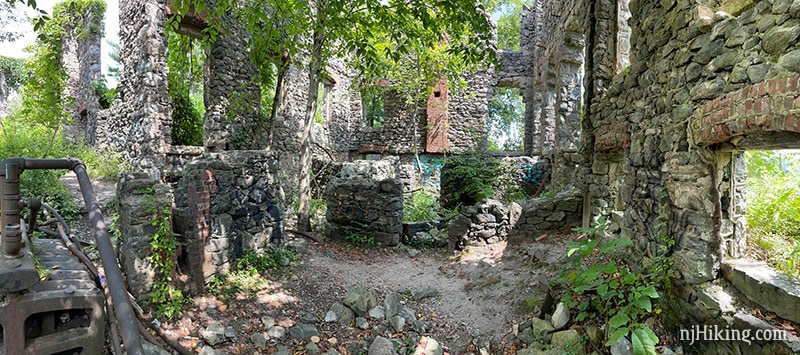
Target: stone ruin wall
<point x="81" y="58"/>
<point x="668" y="132"/>
<point x="140" y="124"/>
<point x="365" y="198"/>
<point x="232" y="95"/>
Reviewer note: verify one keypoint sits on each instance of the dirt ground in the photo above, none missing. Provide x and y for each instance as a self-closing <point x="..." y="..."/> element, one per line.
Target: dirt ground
<point x="483" y="292"/>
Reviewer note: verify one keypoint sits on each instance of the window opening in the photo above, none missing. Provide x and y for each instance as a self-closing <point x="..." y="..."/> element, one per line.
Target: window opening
<point x="323" y="112"/>
<point x="185" y="80"/>
<point x="506" y="120"/>
<point x="372" y="102"/>
<point x="773" y="208"/>
<point x="623" y="35"/>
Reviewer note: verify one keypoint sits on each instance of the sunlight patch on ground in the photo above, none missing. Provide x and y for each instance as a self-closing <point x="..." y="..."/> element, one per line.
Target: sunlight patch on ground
<point x="491" y="254"/>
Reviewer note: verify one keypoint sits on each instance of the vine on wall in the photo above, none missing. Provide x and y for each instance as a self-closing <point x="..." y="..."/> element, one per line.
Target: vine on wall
<point x="44" y="101"/>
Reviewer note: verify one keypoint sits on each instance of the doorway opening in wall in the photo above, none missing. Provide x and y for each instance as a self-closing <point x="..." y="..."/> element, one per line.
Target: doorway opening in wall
<point x="185" y="60"/>
<point x="323" y="113"/>
<point x="623" y="35"/>
<point x="372" y="103"/>
<point x="506" y="121"/>
<point x="506" y="16"/>
<point x="773" y="208"/>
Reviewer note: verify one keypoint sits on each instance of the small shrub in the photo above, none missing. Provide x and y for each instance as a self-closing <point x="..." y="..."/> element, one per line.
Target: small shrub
<point x="359" y="239"/>
<point x="601" y="286"/>
<point x="248" y="275"/>
<point x="421" y="207"/>
<point x="773" y="207"/>
<point x="468" y="178"/>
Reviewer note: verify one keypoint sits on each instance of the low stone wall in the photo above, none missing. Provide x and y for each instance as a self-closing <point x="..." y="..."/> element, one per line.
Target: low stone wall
<point x="543" y="214"/>
<point x="178" y="157"/>
<point x="366" y="198"/>
<point x="226" y="204"/>
<point x="138" y="196"/>
<point x="487" y="222"/>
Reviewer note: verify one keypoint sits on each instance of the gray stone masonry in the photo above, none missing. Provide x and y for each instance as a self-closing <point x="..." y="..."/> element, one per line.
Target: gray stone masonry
<point x="226" y="204"/>
<point x="365" y="198"/>
<point x="138" y="199"/>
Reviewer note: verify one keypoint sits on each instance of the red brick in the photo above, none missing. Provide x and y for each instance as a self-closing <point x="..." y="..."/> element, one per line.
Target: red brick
<point x="746" y="92"/>
<point x="756" y="107"/>
<point x="748" y="106"/>
<point x="762" y="88"/>
<point x="782" y="84"/>
<point x="791" y="123"/>
<point x="792" y="85"/>
<point x="796" y="102"/>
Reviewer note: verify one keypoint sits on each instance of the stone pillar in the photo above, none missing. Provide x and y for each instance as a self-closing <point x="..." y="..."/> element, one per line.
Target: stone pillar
<point x="141" y="124"/>
<point x="138" y="196"/>
<point x="229" y="203"/>
<point x="81" y="58"/>
<point x="232" y="95"/>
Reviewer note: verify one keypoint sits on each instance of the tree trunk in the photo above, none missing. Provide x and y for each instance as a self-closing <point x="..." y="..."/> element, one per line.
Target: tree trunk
<point x="304" y="185"/>
<point x="278" y="99"/>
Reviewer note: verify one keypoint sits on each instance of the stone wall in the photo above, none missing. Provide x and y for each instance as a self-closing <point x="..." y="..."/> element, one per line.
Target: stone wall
<point x="705" y="82"/>
<point x="232" y="95"/>
<point x="138" y="197"/>
<point x="539" y="215"/>
<point x="226" y="204"/>
<point x="81" y="58"/>
<point x="141" y="118"/>
<point x="365" y="198"/>
<point x="487" y="222"/>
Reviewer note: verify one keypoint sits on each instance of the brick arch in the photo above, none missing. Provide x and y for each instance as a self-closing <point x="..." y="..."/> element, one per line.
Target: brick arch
<point x="771" y="106"/>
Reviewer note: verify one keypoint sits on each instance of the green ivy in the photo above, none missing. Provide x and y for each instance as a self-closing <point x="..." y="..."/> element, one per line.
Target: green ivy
<point x="15" y="71"/>
<point x="43" y="96"/>
<point x="167" y="299"/>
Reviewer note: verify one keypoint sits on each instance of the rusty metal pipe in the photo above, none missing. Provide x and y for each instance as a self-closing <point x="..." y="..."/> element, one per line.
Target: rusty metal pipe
<point x="9" y="178"/>
<point x="34" y="205"/>
<point x="122" y="306"/>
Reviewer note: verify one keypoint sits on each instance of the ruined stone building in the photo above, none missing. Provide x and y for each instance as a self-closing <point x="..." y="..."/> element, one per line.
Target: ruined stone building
<point x="644" y="107"/>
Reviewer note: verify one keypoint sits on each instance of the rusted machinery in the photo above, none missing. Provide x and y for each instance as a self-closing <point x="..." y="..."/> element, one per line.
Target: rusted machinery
<point x="61" y="312"/>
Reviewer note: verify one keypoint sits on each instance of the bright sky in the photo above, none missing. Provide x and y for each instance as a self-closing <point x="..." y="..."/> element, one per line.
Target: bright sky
<point x="16" y="49"/>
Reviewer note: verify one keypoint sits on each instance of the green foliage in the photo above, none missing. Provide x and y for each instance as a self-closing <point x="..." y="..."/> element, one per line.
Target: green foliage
<point x="507" y="14"/>
<point x="185" y="88"/>
<point x="14" y="70"/>
<point x="599" y="285"/>
<point x="372" y="101"/>
<point x="22" y="138"/>
<point x="166" y="298"/>
<point x="106" y="95"/>
<point x="248" y="275"/>
<point x="272" y="258"/>
<point x="422" y="206"/>
<point x="471" y="177"/>
<point x="43" y="99"/>
<point x="506" y="121"/>
<point x="358" y="239"/>
<point x="773" y="207"/>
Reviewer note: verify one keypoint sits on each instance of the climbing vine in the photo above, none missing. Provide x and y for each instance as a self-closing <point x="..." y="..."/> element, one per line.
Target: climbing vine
<point x="167" y="299"/>
<point x="43" y="99"/>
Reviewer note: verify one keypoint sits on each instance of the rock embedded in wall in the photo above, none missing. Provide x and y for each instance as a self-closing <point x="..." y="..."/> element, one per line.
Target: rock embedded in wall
<point x="365" y="198"/>
<point x="227" y="204"/>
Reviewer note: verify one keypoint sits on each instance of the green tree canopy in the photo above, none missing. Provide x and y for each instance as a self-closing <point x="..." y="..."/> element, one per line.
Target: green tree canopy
<point x="441" y="37"/>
